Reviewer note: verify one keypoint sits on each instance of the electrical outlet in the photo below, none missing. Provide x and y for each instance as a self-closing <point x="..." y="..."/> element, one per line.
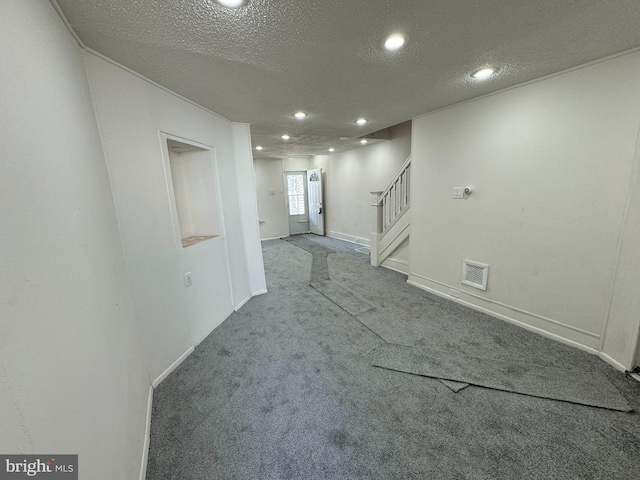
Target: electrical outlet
<point x="454" y="293"/>
<point x="187" y="279"/>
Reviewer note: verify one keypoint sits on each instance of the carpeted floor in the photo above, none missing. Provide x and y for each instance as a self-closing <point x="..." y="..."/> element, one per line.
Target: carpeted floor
<point x="285" y="389"/>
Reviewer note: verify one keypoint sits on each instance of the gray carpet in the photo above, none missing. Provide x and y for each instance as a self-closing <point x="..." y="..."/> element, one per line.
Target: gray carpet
<point x="342" y="297"/>
<point x="284" y="389"/>
<point x="339" y="293"/>
<point x="585" y="388"/>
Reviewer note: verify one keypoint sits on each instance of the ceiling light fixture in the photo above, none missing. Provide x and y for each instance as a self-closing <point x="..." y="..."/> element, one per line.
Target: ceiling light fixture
<point x="484" y="73"/>
<point x="258" y="148"/>
<point x="332" y="150"/>
<point x="363" y="141"/>
<point x="394" y="42"/>
<point x="300" y="115"/>
<point x="285" y="137"/>
<point x="361" y="121"/>
<point x="231" y="3"/>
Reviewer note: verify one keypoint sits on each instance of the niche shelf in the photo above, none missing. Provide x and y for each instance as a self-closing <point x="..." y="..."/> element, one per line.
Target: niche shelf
<point x="193" y="180"/>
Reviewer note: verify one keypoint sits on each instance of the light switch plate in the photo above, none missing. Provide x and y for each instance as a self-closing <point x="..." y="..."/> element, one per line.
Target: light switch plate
<point x="187" y="279"/>
<point x="458" y="192"/>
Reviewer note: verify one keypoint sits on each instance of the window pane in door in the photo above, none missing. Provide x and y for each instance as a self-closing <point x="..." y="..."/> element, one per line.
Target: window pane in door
<point x="295" y="185"/>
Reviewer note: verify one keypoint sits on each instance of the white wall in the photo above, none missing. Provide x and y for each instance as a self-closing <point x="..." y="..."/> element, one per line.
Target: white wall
<point x="296" y="164"/>
<point x="351" y="175"/>
<point x="133" y="114"/>
<point x="73" y="374"/>
<point x="271" y="197"/>
<point x="550" y="163"/>
<point x="194" y="186"/>
<point x="243" y="160"/>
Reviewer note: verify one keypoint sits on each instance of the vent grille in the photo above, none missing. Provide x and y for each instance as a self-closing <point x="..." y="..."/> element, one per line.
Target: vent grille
<point x="475" y="274"/>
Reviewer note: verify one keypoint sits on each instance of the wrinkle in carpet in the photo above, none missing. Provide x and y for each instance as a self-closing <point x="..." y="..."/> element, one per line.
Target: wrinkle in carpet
<point x="342" y="296"/>
<point x="585" y="388"/>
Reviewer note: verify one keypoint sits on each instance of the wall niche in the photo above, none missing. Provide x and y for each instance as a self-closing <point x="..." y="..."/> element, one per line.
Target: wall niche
<point x="193" y="180"/>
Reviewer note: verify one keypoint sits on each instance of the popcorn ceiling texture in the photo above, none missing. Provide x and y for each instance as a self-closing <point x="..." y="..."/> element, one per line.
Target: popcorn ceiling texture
<point x="262" y="62"/>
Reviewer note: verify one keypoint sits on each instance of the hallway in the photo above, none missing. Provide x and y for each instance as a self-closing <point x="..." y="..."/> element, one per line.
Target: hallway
<point x="284" y="389"/>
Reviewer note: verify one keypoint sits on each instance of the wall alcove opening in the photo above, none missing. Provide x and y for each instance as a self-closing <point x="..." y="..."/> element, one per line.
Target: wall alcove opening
<point x="193" y="180"/>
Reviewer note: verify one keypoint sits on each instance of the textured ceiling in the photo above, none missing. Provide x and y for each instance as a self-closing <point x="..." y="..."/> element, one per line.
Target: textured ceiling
<point x="261" y="63"/>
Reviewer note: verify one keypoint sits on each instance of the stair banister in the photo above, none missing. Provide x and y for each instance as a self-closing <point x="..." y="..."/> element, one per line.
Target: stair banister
<point x="389" y="206"/>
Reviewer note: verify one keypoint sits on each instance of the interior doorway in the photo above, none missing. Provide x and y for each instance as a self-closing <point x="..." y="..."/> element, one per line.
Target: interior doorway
<point x="297" y="202"/>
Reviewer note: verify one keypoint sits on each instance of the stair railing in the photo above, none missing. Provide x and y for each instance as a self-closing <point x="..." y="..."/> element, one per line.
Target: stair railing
<point x="389" y="205"/>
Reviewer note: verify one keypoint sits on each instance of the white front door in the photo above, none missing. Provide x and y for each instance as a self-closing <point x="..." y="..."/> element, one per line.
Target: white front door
<point x="316" y="213"/>
<point x="297" y="203"/>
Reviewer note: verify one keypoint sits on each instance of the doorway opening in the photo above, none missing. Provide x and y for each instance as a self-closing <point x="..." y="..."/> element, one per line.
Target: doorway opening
<point x="297" y="202"/>
<point x="304" y="201"/>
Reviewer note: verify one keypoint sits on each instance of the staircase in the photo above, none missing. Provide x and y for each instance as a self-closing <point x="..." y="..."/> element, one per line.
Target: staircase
<point x="391" y="218"/>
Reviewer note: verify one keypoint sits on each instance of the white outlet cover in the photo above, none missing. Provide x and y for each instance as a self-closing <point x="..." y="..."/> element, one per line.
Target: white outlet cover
<point x="187" y="279"/>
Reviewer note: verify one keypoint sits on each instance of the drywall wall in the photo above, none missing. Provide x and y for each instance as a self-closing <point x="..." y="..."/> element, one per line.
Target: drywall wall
<point x="73" y="374"/>
<point x="400" y="258"/>
<point x="549" y="163"/>
<point x="270" y="196"/>
<point x="621" y="331"/>
<point x="248" y="206"/>
<point x="296" y="164"/>
<point x="351" y="175"/>
<point x="134" y="116"/>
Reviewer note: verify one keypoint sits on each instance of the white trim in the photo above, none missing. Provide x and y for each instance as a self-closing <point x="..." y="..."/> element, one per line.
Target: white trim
<point x="241" y="304"/>
<point x="635" y="376"/>
<point x="260" y="292"/>
<point x="172" y="367"/>
<point x="388" y="242"/>
<point x="147" y="438"/>
<point x="82" y="45"/>
<point x="566" y="334"/>
<point x="73" y="33"/>
<point x="614" y="363"/>
<point x="273" y="238"/>
<point x="350" y="238"/>
<point x="142" y="77"/>
<point x="396" y="265"/>
<point x="530" y="82"/>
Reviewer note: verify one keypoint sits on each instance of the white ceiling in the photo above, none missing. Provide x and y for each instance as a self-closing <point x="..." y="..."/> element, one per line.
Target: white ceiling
<point x="263" y="62"/>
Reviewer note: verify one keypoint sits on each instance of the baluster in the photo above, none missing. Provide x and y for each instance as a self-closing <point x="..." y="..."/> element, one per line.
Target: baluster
<point x="384" y="212"/>
<point x="408" y="184"/>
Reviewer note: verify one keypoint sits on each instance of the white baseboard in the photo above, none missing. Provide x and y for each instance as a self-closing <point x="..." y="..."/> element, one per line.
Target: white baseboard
<point x="568" y="335"/>
<point x="239" y="305"/>
<point x="614" y="363"/>
<point x="350" y="238"/>
<point x="396" y="265"/>
<point x="260" y="292"/>
<point x="273" y="238"/>
<point x="147" y="437"/>
<point x="171" y="368"/>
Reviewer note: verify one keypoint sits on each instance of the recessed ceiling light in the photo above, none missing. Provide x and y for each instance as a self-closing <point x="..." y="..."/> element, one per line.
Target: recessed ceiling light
<point x="484" y="73"/>
<point x="363" y="141"/>
<point x="332" y="150"/>
<point x="231" y="3"/>
<point x="394" y="42"/>
<point x="361" y="121"/>
<point x="285" y="137"/>
<point x="258" y="148"/>
<point x="300" y="115"/>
